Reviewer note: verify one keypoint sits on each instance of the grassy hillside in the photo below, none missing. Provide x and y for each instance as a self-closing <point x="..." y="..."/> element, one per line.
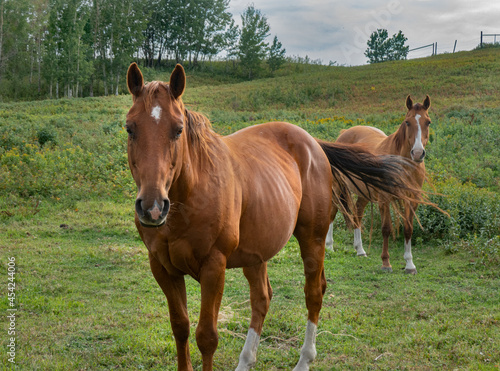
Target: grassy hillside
<point x="84" y="293"/>
<point x="464" y="79"/>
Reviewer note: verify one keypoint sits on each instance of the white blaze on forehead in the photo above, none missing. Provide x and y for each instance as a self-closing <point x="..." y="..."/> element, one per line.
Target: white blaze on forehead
<point x="418" y="139"/>
<point x="156" y="113"/>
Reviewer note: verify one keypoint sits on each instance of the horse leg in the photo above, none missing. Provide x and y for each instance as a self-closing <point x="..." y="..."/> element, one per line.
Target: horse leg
<point x="212" y="287"/>
<point x="360" y="209"/>
<point x="260" y="297"/>
<point x="410" y="209"/>
<point x="385" y="213"/>
<point x="174" y="288"/>
<point x="312" y="249"/>
<point x="329" y="235"/>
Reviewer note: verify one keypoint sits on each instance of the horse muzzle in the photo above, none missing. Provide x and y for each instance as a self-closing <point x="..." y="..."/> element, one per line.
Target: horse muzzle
<point x="417" y="155"/>
<point x="155" y="216"/>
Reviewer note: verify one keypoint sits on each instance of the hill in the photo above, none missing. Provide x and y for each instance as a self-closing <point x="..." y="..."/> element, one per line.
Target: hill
<point x="84" y="293"/>
<point x="467" y="79"/>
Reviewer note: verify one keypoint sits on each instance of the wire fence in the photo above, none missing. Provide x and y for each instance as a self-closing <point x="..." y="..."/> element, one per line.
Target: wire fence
<point x="453" y="46"/>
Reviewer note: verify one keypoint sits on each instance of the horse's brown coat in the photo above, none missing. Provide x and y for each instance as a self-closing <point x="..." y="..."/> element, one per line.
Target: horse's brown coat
<point x="206" y="203"/>
<point x="398" y="143"/>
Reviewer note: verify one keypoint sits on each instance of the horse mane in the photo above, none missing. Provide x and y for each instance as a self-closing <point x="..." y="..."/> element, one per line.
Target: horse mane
<point x="153" y="88"/>
<point x="201" y="137"/>
<point x="400" y="136"/>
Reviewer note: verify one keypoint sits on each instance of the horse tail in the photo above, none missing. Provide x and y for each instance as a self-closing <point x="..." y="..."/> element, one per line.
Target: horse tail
<point x="354" y="166"/>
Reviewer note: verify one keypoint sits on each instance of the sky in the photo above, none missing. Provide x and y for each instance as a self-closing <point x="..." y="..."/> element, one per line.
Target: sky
<point x="337" y="30"/>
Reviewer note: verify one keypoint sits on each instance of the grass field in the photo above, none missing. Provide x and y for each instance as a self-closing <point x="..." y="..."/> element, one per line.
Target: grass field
<point x="85" y="297"/>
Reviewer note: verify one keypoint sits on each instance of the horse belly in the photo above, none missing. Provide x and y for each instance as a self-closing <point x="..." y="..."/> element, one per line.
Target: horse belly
<point x="268" y="220"/>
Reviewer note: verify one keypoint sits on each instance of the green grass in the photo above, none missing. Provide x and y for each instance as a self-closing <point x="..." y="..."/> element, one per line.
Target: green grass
<point x="86" y="298"/>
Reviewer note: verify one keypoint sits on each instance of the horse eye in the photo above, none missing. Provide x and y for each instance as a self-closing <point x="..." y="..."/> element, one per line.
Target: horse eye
<point x="407" y="123"/>
<point x="129" y="131"/>
<point x="428" y="123"/>
<point x="179" y="132"/>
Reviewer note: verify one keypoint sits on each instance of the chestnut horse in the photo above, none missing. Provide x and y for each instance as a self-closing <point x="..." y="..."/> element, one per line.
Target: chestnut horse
<point x="206" y="203"/>
<point x="408" y="141"/>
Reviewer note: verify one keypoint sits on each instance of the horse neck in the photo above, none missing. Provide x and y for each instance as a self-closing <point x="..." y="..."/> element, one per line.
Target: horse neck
<point x="201" y="150"/>
<point x="397" y="143"/>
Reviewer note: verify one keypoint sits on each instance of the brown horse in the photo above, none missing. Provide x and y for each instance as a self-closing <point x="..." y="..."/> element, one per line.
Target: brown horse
<point x="408" y="141"/>
<point x="206" y="203"/>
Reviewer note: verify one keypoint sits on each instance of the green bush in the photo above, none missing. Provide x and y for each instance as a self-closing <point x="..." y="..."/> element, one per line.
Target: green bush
<point x="45" y="135"/>
<point x="472" y="210"/>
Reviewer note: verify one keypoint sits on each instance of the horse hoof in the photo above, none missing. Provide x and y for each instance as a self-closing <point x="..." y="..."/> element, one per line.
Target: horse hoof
<point x="363" y="255"/>
<point x="386" y="269"/>
<point x="411" y="271"/>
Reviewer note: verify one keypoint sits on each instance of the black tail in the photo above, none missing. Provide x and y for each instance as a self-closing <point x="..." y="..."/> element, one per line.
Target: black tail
<point x="387" y="174"/>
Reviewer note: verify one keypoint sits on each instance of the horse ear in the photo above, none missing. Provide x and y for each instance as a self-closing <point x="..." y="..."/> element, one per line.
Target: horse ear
<point x="135" y="80"/>
<point x="427" y="102"/>
<point x="409" y="103"/>
<point x="177" y="81"/>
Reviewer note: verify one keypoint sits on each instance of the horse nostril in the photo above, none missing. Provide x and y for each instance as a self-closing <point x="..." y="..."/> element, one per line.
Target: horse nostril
<point x="423" y="153"/>
<point x="166" y="207"/>
<point x="138" y="207"/>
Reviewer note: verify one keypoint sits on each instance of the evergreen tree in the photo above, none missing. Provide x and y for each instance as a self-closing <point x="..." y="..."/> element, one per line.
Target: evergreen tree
<point x="252" y="48"/>
<point x="382" y="48"/>
<point x="276" y="55"/>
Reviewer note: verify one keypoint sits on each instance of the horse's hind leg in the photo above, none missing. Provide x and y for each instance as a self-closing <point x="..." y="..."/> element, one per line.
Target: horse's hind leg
<point x="312" y="248"/>
<point x="260" y="297"/>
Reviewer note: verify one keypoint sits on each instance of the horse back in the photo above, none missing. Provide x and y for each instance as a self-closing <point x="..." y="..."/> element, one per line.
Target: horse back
<point x="372" y="138"/>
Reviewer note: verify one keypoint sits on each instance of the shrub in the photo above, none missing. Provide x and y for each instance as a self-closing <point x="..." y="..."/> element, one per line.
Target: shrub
<point x="45" y="135"/>
<point x="473" y="211"/>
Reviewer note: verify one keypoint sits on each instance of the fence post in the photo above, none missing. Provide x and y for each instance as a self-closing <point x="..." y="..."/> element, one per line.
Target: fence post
<point x="481" y="43"/>
<point x="455" y="46"/>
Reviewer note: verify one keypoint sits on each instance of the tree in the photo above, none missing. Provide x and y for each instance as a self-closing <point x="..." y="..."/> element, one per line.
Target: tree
<point x="381" y="48"/>
<point x="252" y="48"/>
<point x="276" y="55"/>
<point x="14" y="36"/>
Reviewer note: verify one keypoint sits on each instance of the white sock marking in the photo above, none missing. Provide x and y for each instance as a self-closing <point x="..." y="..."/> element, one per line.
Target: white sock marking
<point x="329" y="237"/>
<point x="308" y="351"/>
<point x="408" y="256"/>
<point x="156" y="113"/>
<point x="248" y="355"/>
<point x="358" y="242"/>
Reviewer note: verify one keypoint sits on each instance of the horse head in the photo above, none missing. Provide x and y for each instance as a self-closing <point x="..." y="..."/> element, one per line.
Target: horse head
<point x="416" y="126"/>
<point x="155" y="125"/>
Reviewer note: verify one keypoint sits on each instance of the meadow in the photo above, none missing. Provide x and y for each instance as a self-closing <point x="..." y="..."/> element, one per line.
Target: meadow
<point x="85" y="297"/>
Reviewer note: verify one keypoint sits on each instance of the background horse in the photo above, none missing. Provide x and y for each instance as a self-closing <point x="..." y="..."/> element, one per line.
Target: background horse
<point x="408" y="141"/>
<point x="206" y="203"/>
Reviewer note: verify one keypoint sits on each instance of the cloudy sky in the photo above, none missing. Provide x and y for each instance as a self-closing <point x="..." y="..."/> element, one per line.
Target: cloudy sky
<point x="337" y="30"/>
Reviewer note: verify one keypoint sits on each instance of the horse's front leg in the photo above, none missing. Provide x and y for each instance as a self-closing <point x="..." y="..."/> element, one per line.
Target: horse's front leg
<point x="385" y="213"/>
<point x="212" y="287"/>
<point x="410" y="209"/>
<point x="174" y="288"/>
<point x="360" y="210"/>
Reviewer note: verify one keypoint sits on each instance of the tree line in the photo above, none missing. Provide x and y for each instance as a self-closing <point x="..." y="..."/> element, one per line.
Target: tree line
<point x="75" y="48"/>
